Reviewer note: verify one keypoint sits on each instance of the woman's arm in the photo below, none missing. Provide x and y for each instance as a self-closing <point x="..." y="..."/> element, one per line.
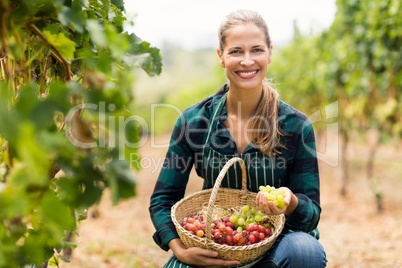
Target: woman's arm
<point x="171" y="185"/>
<point x="302" y="189"/>
<point x="198" y="257"/>
<point x="304" y="181"/>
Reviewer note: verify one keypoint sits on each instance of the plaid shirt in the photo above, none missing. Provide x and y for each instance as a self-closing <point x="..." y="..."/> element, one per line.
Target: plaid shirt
<point x="300" y="172"/>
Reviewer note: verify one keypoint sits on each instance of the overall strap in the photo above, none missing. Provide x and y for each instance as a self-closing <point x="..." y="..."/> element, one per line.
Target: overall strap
<point x="213" y="121"/>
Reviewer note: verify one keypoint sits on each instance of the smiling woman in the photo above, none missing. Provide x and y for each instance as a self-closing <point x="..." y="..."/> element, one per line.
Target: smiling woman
<point x="244" y="119"/>
<point x="245" y="57"/>
<point x="245" y="52"/>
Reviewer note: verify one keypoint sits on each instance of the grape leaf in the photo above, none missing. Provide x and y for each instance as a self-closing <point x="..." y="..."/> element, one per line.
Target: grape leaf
<point x="72" y="17"/>
<point x="64" y="45"/>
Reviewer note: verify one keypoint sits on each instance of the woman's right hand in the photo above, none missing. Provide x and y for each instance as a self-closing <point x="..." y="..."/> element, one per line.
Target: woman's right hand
<point x="198" y="257"/>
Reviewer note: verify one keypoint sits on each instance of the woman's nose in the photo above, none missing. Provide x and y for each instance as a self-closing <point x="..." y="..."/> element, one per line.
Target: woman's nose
<point x="247" y="60"/>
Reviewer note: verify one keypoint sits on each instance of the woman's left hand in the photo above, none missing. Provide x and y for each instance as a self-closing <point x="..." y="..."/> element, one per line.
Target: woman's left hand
<point x="269" y="208"/>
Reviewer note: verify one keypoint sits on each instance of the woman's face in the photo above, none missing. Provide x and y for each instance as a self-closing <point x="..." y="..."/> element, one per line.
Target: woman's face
<point x="245" y="56"/>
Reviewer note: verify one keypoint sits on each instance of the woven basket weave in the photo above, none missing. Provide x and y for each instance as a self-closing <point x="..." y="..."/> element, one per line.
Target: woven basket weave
<point x="224" y="198"/>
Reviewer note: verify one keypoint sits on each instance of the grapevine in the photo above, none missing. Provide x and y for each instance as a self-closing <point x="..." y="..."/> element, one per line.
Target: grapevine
<point x="66" y="73"/>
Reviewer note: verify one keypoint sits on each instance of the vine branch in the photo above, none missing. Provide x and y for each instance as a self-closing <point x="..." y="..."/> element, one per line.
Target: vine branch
<point x="55" y="53"/>
<point x="3" y="16"/>
<point x="44" y="74"/>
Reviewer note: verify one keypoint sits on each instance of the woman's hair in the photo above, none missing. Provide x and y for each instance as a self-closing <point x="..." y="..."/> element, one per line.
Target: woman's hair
<point x="266" y="132"/>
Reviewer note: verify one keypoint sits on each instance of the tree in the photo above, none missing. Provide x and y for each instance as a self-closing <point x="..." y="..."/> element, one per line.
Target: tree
<point x="65" y="85"/>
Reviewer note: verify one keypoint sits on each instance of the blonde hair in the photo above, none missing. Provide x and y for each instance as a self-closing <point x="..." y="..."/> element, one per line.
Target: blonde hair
<point x="265" y="122"/>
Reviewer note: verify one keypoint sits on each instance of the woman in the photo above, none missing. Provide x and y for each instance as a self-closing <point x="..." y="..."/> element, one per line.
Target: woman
<point x="245" y="118"/>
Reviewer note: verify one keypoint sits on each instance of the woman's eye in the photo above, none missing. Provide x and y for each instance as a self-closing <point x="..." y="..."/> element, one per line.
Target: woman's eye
<point x="234" y="52"/>
<point x="258" y="50"/>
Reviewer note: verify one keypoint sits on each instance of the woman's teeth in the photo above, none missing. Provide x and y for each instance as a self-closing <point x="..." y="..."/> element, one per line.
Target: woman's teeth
<point x="247" y="73"/>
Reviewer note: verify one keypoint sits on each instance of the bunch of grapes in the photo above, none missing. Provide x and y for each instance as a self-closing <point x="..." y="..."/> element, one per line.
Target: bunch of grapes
<point x="237" y="228"/>
<point x="274" y="195"/>
<point x="195" y="225"/>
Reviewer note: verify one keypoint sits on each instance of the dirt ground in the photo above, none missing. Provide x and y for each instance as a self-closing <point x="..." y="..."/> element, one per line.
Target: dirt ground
<point x="353" y="233"/>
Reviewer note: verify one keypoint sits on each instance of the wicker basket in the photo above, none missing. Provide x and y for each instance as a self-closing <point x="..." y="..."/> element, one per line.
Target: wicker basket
<point x="225" y="198"/>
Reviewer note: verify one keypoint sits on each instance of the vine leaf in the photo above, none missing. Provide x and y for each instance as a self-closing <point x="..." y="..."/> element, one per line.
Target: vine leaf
<point x="64" y="45"/>
<point x="72" y="17"/>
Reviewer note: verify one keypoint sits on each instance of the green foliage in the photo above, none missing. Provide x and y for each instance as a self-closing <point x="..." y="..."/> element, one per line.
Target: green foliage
<point x="66" y="76"/>
<point x="356" y="61"/>
<point x="368" y="71"/>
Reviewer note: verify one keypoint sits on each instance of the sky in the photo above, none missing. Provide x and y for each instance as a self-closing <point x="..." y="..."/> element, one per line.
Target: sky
<point x="194" y="24"/>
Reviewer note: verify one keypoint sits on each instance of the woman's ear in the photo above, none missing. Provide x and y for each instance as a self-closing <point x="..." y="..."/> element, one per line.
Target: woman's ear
<point x="270" y="54"/>
<point x="221" y="61"/>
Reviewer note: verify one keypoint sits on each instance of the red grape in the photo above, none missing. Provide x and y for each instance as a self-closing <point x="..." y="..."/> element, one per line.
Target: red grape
<point x="229" y="230"/>
<point x="261" y="236"/>
<point x="218" y="234"/>
<point x="268" y="232"/>
<point x="200" y="233"/>
<point x="251" y="238"/>
<point x="236" y="238"/>
<point x="228" y="239"/>
<point x="255" y="227"/>
<point x="242" y="241"/>
<point x="230" y="224"/>
<point x="191" y="227"/>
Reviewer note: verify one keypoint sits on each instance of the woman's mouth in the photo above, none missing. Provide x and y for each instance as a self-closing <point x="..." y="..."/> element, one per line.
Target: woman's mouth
<point x="247" y="74"/>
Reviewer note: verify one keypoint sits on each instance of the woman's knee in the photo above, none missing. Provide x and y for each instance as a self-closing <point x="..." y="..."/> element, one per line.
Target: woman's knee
<point x="299" y="249"/>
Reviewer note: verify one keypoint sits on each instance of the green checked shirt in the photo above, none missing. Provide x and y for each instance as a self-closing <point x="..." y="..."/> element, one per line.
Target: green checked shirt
<point x="296" y="167"/>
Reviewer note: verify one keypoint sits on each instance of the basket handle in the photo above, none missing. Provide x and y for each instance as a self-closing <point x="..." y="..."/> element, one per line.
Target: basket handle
<point x="215" y="191"/>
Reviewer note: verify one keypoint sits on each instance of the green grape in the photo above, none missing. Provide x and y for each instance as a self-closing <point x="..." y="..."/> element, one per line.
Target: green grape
<point x="248" y="214"/>
<point x="274" y="195"/>
<point x="239" y="229"/>
<point x="245" y="208"/>
<point x="233" y="218"/>
<point x="258" y="218"/>
<point x="252" y="211"/>
<point x="240" y="221"/>
<point x="260" y="213"/>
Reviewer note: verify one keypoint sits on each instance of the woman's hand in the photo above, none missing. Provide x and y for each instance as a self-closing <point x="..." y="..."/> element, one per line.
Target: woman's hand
<point x="198" y="257"/>
<point x="269" y="208"/>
